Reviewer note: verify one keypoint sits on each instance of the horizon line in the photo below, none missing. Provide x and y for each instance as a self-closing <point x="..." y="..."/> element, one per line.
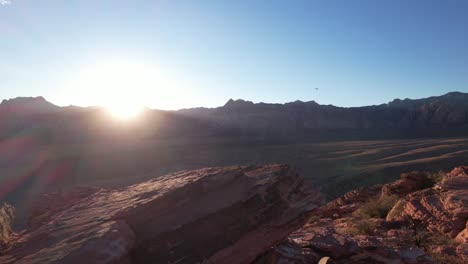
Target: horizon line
<point x="229" y="100"/>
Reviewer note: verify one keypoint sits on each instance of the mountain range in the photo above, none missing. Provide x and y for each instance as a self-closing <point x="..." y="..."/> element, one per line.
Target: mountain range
<point x="438" y="116"/>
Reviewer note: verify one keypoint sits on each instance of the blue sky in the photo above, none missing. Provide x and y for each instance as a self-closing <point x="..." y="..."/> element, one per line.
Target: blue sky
<point x="174" y="54"/>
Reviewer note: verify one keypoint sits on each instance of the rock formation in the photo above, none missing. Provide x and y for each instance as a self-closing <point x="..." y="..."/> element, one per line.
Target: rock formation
<point x="247" y="214"/>
<point x="408" y="183"/>
<point x="213" y="215"/>
<point x="427" y="225"/>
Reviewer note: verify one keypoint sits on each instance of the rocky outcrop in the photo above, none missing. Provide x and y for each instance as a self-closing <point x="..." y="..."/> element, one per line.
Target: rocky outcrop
<point x="427" y="225"/>
<point x="408" y="183"/>
<point x="249" y="214"/>
<point x="314" y="241"/>
<point x="350" y="201"/>
<point x="213" y="215"/>
<point x="443" y="209"/>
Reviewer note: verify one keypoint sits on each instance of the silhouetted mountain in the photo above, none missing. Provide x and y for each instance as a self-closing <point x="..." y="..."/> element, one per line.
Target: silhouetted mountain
<point x="26" y="104"/>
<point x="434" y="116"/>
<point x="443" y="116"/>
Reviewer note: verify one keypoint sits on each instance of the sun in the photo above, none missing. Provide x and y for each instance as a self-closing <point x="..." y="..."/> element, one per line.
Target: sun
<point x="124" y="111"/>
<point x="122" y="88"/>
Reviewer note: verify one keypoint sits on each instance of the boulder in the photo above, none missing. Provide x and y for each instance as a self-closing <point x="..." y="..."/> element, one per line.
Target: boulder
<point x="212" y="215"/>
<point x="408" y="183"/>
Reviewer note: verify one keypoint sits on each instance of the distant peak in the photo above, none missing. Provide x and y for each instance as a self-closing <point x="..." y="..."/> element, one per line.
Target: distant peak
<point x="27" y="103"/>
<point x="24" y="100"/>
<point x="454" y="94"/>
<point x="297" y="102"/>
<point x="239" y="103"/>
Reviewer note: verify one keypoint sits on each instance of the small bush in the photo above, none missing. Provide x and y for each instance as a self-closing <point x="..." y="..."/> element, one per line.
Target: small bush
<point x="314" y="219"/>
<point x="438" y="176"/>
<point x="377" y="208"/>
<point x="421" y="238"/>
<point x="362" y="227"/>
<point x="6" y="218"/>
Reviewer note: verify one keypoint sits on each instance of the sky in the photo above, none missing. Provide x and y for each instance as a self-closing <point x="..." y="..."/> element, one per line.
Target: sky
<point x="172" y="54"/>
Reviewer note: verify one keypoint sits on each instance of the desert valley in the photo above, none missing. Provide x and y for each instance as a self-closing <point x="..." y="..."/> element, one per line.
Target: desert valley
<point x="73" y="153"/>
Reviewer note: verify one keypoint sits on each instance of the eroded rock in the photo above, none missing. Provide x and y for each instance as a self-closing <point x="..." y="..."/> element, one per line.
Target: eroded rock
<point x="428" y="224"/>
<point x="442" y="209"/>
<point x="408" y="183"/>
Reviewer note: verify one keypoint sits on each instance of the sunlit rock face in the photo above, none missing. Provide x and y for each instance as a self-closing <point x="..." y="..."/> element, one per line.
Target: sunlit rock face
<point x="217" y="215"/>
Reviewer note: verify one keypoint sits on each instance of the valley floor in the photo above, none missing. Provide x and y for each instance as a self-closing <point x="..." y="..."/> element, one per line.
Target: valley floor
<point x="334" y="167"/>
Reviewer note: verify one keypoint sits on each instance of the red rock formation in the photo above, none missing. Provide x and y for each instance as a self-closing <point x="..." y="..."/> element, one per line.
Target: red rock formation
<point x="443" y="209"/>
<point x="314" y="241"/>
<point x="408" y="183"/>
<point x="424" y="219"/>
<point x="350" y="201"/>
<point x="216" y="215"/>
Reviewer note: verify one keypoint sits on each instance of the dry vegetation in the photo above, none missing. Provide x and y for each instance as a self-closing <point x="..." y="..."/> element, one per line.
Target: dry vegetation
<point x="6" y="218"/>
<point x="376" y="208"/>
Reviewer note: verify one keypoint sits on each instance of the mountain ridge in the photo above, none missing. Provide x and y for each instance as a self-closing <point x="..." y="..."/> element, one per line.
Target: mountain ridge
<point x="437" y="116"/>
<point x="242" y="102"/>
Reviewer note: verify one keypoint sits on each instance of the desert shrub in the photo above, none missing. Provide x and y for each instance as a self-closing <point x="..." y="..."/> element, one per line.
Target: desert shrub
<point x="376" y="208"/>
<point x="314" y="219"/>
<point x="6" y="217"/>
<point x="438" y="176"/>
<point x="421" y="238"/>
<point x="361" y="227"/>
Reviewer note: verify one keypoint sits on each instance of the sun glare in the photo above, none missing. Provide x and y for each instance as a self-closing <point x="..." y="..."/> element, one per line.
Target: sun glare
<point x="123" y="88"/>
<point x="124" y="111"/>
